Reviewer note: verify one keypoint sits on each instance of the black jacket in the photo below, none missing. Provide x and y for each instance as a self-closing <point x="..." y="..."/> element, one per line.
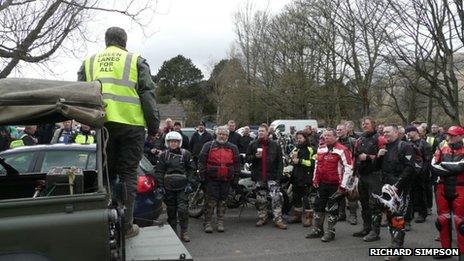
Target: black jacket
<point x="302" y="174"/>
<point x="368" y="144"/>
<point x="174" y="162"/>
<point x="244" y="142"/>
<point x="234" y="138"/>
<point x="274" y="161"/>
<point x="397" y="164"/>
<point x="145" y="89"/>
<point x="197" y="141"/>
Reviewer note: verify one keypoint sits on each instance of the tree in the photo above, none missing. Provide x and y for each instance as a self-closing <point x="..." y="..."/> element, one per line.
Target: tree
<point x="32" y="31"/>
<point x="175" y="77"/>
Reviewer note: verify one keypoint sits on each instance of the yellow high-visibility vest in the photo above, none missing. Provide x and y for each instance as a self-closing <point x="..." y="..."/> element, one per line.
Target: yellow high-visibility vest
<point x="18" y="143"/>
<point x="430" y="140"/>
<point x="116" y="69"/>
<point x="81" y="139"/>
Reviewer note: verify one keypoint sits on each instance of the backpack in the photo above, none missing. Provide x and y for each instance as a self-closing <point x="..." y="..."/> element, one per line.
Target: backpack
<point x="419" y="165"/>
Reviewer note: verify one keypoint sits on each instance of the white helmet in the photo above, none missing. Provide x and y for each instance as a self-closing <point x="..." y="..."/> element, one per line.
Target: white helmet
<point x="390" y="199"/>
<point x="173" y="135"/>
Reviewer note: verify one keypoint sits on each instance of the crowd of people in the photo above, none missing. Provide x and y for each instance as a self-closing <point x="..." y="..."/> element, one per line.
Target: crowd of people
<point x="67" y="132"/>
<point x="333" y="172"/>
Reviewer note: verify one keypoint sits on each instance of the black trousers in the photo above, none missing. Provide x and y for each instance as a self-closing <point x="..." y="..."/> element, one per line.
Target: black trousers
<point x="418" y="197"/>
<point x="369" y="183"/>
<point x="217" y="190"/>
<point x="177" y="208"/>
<point x="323" y="203"/>
<point x="301" y="198"/>
<point x="124" y="152"/>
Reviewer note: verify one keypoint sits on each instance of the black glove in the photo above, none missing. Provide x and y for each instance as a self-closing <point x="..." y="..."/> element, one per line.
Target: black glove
<point x="162" y="191"/>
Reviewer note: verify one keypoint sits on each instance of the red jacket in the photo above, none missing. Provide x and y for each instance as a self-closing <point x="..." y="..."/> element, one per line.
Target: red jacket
<point x="446" y="155"/>
<point x="333" y="166"/>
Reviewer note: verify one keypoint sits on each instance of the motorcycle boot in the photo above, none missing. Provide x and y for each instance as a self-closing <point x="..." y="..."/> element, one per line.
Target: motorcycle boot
<point x="329" y="234"/>
<point x="397" y="240"/>
<point x="318" y="229"/>
<point x="375" y="231"/>
<point x="308" y="218"/>
<point x="221" y="211"/>
<point x="353" y="209"/>
<point x="297" y="213"/>
<point x="210" y="204"/>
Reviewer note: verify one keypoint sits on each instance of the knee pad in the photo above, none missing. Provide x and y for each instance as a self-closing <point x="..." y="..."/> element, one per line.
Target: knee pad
<point x="398" y="223"/>
<point x="460" y="225"/>
<point x="442" y="221"/>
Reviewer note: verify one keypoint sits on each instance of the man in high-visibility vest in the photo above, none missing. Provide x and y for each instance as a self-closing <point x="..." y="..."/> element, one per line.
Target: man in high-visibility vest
<point x="84" y="136"/>
<point x="129" y="98"/>
<point x="27" y="138"/>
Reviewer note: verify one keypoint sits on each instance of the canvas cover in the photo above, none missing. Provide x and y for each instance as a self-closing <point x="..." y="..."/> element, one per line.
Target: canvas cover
<point x="35" y="101"/>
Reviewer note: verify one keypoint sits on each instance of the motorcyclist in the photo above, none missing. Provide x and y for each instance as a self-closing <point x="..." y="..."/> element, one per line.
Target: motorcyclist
<point x="333" y="169"/>
<point x="397" y="166"/>
<point x="349" y="142"/>
<point x="174" y="172"/>
<point x="448" y="165"/>
<point x="302" y="160"/>
<point x="219" y="164"/>
<point x="265" y="156"/>
<point x="365" y="155"/>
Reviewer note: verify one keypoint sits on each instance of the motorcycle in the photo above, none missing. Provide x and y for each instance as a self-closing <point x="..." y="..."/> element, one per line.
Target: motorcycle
<point x="240" y="195"/>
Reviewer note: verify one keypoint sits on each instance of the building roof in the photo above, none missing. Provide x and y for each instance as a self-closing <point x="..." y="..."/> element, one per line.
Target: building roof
<point x="173" y="109"/>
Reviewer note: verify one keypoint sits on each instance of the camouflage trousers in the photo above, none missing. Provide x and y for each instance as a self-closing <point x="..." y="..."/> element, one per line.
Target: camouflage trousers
<point x="272" y="191"/>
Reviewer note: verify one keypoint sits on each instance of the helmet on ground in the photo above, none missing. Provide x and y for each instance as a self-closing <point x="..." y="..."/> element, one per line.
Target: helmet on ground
<point x="173" y="135"/>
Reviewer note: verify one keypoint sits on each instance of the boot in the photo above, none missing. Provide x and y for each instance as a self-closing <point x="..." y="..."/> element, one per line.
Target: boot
<point x="210" y="204"/>
<point x="375" y="231"/>
<point x="329" y="234"/>
<point x="221" y="211"/>
<point x="297" y="213"/>
<point x="420" y="219"/>
<point x="342" y="210"/>
<point x="364" y="232"/>
<point x="353" y="208"/>
<point x="397" y="239"/>
<point x="367" y="225"/>
<point x="261" y="222"/>
<point x="184" y="236"/>
<point x="318" y="228"/>
<point x="280" y="224"/>
<point x="308" y="218"/>
<point x="132" y="231"/>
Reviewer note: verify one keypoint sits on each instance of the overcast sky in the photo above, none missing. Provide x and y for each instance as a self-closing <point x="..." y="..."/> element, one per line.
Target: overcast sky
<point x="201" y="30"/>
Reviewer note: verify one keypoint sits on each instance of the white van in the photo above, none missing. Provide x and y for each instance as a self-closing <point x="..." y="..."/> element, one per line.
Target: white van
<point x="284" y="126"/>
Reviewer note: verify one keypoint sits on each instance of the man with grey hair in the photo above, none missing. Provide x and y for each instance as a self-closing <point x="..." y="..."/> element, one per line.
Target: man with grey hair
<point x="218" y="164"/>
<point x="129" y="98"/>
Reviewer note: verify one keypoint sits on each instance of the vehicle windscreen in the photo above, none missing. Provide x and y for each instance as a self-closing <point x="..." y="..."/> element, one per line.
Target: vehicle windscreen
<point x="71" y="158"/>
<point x="20" y="161"/>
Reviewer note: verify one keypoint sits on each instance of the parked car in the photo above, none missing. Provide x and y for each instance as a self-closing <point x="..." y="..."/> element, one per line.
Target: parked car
<point x="33" y="163"/>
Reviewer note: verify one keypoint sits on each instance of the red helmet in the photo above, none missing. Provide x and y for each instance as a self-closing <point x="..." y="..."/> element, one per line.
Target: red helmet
<point x="455" y="131"/>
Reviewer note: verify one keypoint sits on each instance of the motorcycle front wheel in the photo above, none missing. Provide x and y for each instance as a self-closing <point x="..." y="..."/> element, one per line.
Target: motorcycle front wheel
<point x="196" y="203"/>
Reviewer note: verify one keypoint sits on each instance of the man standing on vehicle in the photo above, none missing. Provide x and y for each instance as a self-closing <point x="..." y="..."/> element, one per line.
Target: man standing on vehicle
<point x="129" y="99"/>
<point x="265" y="155"/>
<point x="218" y="164"/>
